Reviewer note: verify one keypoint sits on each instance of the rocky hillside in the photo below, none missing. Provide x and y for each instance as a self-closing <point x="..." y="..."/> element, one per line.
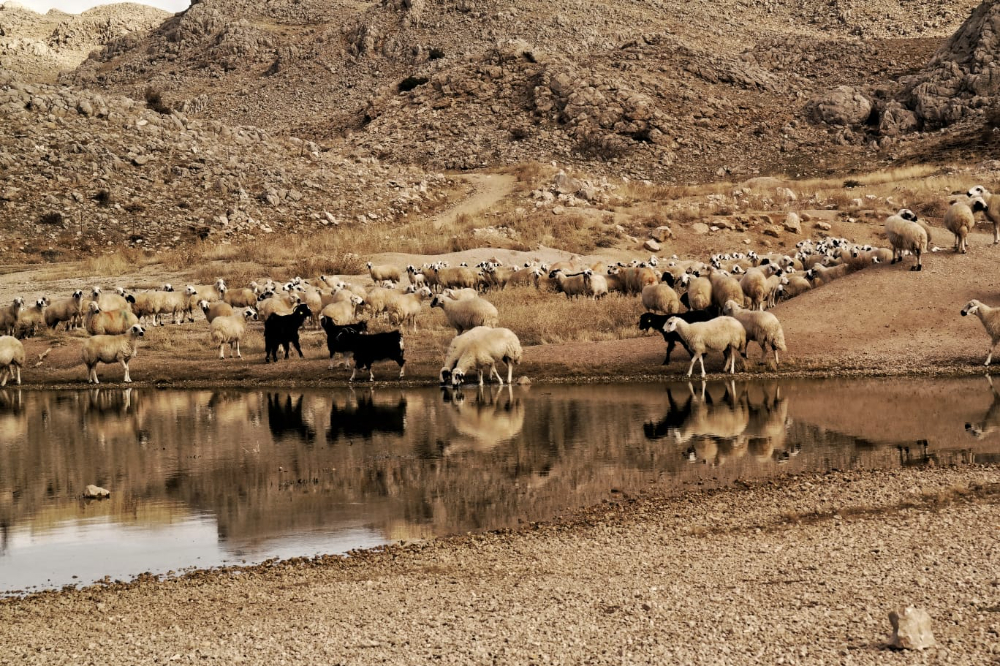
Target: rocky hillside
<point x="665" y="89"/>
<point x="38" y="47"/>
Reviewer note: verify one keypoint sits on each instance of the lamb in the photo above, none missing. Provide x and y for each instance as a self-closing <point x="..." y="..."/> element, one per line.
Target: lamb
<point x="11" y="359"/>
<point x="229" y="329"/>
<point x="8" y="316"/>
<point x="109" y="349"/>
<point x="111" y="322"/>
<point x="282" y="331"/>
<point x="383" y="273"/>
<point x="482" y="349"/>
<point x="905" y="235"/>
<point x="344" y="312"/>
<point x="596" y="284"/>
<point x="215" y="309"/>
<point x="960" y="219"/>
<point x="990" y="316"/>
<point x="368" y="348"/>
<point x="30" y="319"/>
<point x="66" y="310"/>
<point x="754" y="286"/>
<point x="723" y="334"/>
<point x="761" y="327"/>
<point x="649" y="320"/>
<point x="407" y="307"/>
<point x="660" y="298"/>
<point x="992" y="212"/>
<point x="698" y="292"/>
<point x="467" y="314"/>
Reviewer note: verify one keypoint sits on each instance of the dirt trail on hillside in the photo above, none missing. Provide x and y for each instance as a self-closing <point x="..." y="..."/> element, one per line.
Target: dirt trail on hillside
<point x="489" y="189"/>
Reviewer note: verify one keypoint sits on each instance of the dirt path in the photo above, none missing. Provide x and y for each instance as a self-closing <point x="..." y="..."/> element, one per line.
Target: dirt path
<point x="488" y="190"/>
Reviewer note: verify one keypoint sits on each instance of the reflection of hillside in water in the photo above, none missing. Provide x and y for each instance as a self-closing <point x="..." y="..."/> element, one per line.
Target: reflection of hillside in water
<point x="413" y="463"/>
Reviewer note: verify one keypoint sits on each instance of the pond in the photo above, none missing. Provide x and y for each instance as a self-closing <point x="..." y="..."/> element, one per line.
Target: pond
<point x="200" y="479"/>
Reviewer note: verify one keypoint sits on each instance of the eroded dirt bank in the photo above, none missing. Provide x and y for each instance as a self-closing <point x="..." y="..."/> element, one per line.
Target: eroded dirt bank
<point x="803" y="570"/>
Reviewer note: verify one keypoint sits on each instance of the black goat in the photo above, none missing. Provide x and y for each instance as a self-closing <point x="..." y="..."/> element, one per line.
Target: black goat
<point x="283" y="330"/>
<point x="368" y="348"/>
<point x="333" y="330"/>
<point x="650" y="320"/>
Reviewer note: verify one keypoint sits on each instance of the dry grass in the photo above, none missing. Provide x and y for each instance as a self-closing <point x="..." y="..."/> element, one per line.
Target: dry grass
<point x="541" y="317"/>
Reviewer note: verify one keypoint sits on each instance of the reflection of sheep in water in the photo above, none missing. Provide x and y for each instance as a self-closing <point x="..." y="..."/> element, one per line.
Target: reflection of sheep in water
<point x="285" y="418"/>
<point x="493" y="417"/>
<point x="725" y="419"/>
<point x="365" y="418"/>
<point x="990" y="423"/>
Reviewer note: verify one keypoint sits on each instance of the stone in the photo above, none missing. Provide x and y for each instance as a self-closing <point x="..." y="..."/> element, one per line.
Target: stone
<point x="651" y="245"/>
<point x="793" y="224"/>
<point x="96" y="492"/>
<point x="564" y="184"/>
<point x="842" y="106"/>
<point x="662" y="233"/>
<point x="822" y="226"/>
<point x="700" y="228"/>
<point x="785" y="194"/>
<point x="558" y="210"/>
<point x="523" y="381"/>
<point x="772" y="231"/>
<point x="911" y="629"/>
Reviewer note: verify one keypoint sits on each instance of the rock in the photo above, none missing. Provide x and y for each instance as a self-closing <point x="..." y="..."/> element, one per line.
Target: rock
<point x="523" y="381"/>
<point x="700" y="228"/>
<point x="822" y="226"/>
<point x="842" y="106"/>
<point x="662" y="233"/>
<point x="911" y="629"/>
<point x="793" y="224"/>
<point x="772" y="231"/>
<point x="558" y="210"/>
<point x="651" y="245"/>
<point x="564" y="184"/>
<point x="785" y="194"/>
<point x="96" y="492"/>
<point x="896" y="120"/>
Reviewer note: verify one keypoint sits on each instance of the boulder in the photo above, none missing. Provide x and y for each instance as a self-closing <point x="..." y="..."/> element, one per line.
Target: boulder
<point x="911" y="629"/>
<point x="662" y="233"/>
<point x="651" y="245"/>
<point x="822" y="226"/>
<point x="96" y="492"/>
<point x="843" y="106"/>
<point x="772" y="231"/>
<point x="700" y="228"/>
<point x="793" y="224"/>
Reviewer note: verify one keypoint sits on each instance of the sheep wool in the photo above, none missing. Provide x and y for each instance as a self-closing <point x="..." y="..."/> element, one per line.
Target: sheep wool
<point x="11" y="359"/>
<point x="990" y="317"/>
<point x="761" y="327"/>
<point x="111" y="349"/>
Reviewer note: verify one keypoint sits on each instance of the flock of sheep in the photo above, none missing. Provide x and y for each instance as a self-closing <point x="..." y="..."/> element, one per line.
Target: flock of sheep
<point x="718" y="306"/>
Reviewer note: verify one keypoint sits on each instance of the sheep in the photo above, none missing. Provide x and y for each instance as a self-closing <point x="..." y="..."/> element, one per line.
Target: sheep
<point x="990" y="316"/>
<point x="524" y="277"/>
<point x="368" y="348"/>
<point x="497" y="276"/>
<point x="819" y="275"/>
<point x="8" y="316"/>
<point x="480" y="349"/>
<point x="215" y="309"/>
<point x="467" y="314"/>
<point x="111" y="322"/>
<point x="344" y="312"/>
<point x="725" y="288"/>
<point x="460" y="294"/>
<point x="455" y="278"/>
<point x="66" y="310"/>
<point x="377" y="300"/>
<point x="960" y="219"/>
<point x="698" y="292"/>
<point x="111" y="348"/>
<point x="107" y="302"/>
<point x="991" y="212"/>
<point x="649" y="320"/>
<point x="383" y="273"/>
<point x="271" y="304"/>
<point x="596" y="285"/>
<point x="761" y="327"/>
<point x="11" y="359"/>
<point x="754" y="286"/>
<point x="282" y="331"/>
<point x="660" y="298"/>
<point x="229" y="329"/>
<point x="635" y="278"/>
<point x="206" y="292"/>
<point x="456" y="348"/>
<point x="723" y="334"/>
<point x="796" y="285"/>
<point x="31" y="318"/>
<point x="149" y="304"/>
<point x="572" y="285"/>
<point x="240" y="298"/>
<point x="905" y="235"/>
<point x="406" y="307"/>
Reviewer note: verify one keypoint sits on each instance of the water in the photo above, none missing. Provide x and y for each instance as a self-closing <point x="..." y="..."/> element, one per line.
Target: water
<point x="207" y="478"/>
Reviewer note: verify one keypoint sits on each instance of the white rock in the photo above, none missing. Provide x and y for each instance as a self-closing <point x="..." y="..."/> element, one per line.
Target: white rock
<point x="651" y="245"/>
<point x="662" y="233"/>
<point x="96" y="492"/>
<point x="793" y="224"/>
<point x="911" y="629"/>
<point x="700" y="228"/>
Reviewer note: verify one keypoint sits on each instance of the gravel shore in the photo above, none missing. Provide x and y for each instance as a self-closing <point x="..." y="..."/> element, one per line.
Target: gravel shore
<point x="802" y="570"/>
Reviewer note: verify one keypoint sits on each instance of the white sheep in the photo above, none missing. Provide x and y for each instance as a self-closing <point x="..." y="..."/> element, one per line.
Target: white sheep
<point x="724" y="288"/>
<point x="819" y="275"/>
<point x="230" y="330"/>
<point x="723" y="334"/>
<point x="460" y="294"/>
<point x="11" y="359"/>
<point x="384" y="272"/>
<point x="992" y="212"/>
<point x="377" y="300"/>
<point x="990" y="316"/>
<point x="905" y="235"/>
<point x="596" y="284"/>
<point x="754" y="286"/>
<point x="960" y="219"/>
<point x="479" y="349"/>
<point x="572" y="285"/>
<point x="407" y="307"/>
<point x="698" y="290"/>
<point x="31" y="318"/>
<point x="110" y="349"/>
<point x="796" y="285"/>
<point x="8" y="316"/>
<point x="454" y="278"/>
<point x="275" y="304"/>
<point x="343" y="313"/>
<point x="467" y="314"/>
<point x="660" y="298"/>
<point x="65" y="310"/>
<point x="215" y="309"/>
<point x="107" y="302"/>
<point x="761" y="327"/>
<point x="240" y="298"/>
<point x="112" y="322"/>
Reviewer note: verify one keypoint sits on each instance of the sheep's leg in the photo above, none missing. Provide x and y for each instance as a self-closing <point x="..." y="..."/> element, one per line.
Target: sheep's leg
<point x="18" y="368"/>
<point x="494" y="371"/>
<point x="989" y="355"/>
<point x="353" y="370"/>
<point x="222" y="353"/>
<point x="238" y="353"/>
<point x="701" y="359"/>
<point x="694" y="359"/>
<point x="3" y="377"/>
<point x="510" y="372"/>
<point x="775" y="358"/>
<point x="127" y="380"/>
<point x="371" y="374"/>
<point x="402" y="369"/>
<point x="996" y="233"/>
<point x="480" y="376"/>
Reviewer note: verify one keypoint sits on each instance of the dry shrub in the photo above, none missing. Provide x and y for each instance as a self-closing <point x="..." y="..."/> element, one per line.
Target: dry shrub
<point x="120" y="262"/>
<point x="538" y="317"/>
